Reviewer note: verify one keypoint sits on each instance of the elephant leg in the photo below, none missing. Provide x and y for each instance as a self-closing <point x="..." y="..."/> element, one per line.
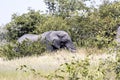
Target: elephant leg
<point x="53" y="46"/>
<point x="56" y="44"/>
<point x="49" y="48"/>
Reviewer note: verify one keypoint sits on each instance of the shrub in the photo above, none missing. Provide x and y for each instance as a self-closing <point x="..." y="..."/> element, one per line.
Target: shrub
<point x="85" y="70"/>
<point x="13" y="50"/>
<point x="52" y="23"/>
<point x="23" y="24"/>
<point x="8" y="52"/>
<point x="102" y="69"/>
<point x="28" y="48"/>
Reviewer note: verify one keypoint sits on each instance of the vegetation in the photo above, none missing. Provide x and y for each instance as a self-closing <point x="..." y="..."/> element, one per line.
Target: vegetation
<point x="89" y="28"/>
<point x="91" y="67"/>
<point x="11" y="51"/>
<point x="92" y="27"/>
<point x="64" y="66"/>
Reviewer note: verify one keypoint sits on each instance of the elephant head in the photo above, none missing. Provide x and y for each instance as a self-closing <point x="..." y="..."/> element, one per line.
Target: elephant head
<point x="58" y="39"/>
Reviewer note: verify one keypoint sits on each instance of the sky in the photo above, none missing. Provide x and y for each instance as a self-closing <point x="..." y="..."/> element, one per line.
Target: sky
<point x="9" y="7"/>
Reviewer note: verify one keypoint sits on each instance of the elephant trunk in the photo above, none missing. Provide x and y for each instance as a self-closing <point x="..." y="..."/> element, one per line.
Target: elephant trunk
<point x="70" y="46"/>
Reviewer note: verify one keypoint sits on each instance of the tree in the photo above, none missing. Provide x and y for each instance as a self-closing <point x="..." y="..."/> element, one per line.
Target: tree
<point x="98" y="27"/>
<point x="23" y="24"/>
<point x="65" y="8"/>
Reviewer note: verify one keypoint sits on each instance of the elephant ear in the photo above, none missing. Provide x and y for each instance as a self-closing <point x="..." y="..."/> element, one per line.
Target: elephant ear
<point x="56" y="43"/>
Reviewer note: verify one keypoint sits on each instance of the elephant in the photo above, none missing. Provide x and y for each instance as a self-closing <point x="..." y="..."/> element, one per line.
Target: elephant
<point x="117" y="38"/>
<point x="53" y="40"/>
<point x="118" y="35"/>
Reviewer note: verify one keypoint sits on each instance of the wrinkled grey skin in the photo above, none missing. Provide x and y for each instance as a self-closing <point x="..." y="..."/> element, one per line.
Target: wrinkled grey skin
<point x="118" y="35"/>
<point x="54" y="40"/>
<point x="117" y="39"/>
<point x="31" y="37"/>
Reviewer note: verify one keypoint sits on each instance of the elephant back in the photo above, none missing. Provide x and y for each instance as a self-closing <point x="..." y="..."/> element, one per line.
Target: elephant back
<point x="45" y="36"/>
<point x="30" y="37"/>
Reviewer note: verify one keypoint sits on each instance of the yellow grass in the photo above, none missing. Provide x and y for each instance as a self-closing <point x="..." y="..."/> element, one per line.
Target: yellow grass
<point x="45" y="64"/>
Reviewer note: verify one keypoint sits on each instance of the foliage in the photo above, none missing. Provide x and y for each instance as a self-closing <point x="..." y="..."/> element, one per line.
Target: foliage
<point x="52" y="23"/>
<point x="96" y="28"/>
<point x="8" y="52"/>
<point x="23" y="24"/>
<point x="84" y="70"/>
<point x="65" y="8"/>
<point x="27" y="48"/>
<point x="25" y="68"/>
<point x="91" y="27"/>
<point x="117" y="68"/>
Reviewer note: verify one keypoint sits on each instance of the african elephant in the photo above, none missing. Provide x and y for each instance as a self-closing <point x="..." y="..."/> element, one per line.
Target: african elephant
<point x="118" y="35"/>
<point x="53" y="40"/>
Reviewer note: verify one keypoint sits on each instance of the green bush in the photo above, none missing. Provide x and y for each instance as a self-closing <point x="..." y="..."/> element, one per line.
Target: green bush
<point x="27" y="48"/>
<point x="7" y="51"/>
<point x="23" y="24"/>
<point x="52" y="23"/>
<point x="117" y="67"/>
<point x="87" y="69"/>
<point x="84" y="70"/>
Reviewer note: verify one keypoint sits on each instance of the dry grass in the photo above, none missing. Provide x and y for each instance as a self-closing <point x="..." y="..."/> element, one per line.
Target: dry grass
<point x="45" y="64"/>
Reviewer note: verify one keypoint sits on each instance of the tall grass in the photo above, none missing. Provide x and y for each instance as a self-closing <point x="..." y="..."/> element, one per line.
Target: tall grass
<point x="74" y="66"/>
